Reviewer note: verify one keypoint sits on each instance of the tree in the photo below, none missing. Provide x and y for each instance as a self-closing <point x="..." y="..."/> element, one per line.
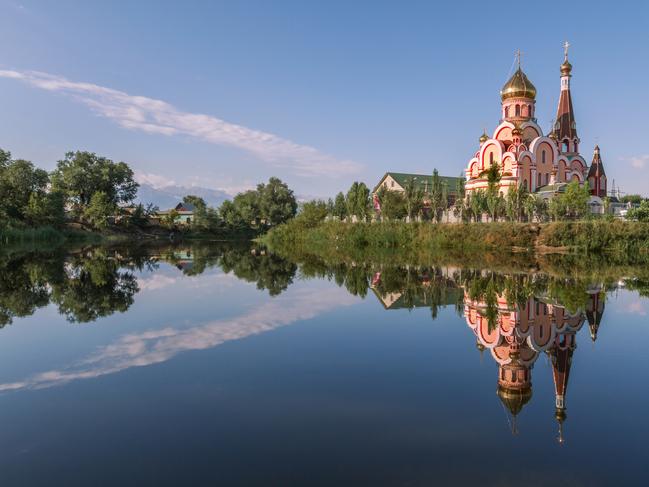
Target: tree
<point x="82" y="174"/>
<point x="393" y="204"/>
<point x="99" y="210"/>
<point x="640" y="213"/>
<point x="340" y="208"/>
<point x="572" y="204"/>
<point x="277" y="203"/>
<point x="459" y="208"/>
<point x="438" y="196"/>
<point x="20" y="183"/>
<point x="229" y="214"/>
<point x="413" y="197"/>
<point x="636" y="199"/>
<point x="358" y="200"/>
<point x="312" y="213"/>
<point x="515" y="202"/>
<point x="477" y="204"/>
<point x="248" y="205"/>
<point x="493" y="198"/>
<point x="169" y="219"/>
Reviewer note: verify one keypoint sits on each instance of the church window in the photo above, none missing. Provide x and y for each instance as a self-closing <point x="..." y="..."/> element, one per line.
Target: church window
<point x="538" y="180"/>
<point x="592" y="183"/>
<point x="491" y="158"/>
<point x="565" y="146"/>
<point x="602" y="182"/>
<point x="506" y="112"/>
<point x="547" y="178"/>
<point x="518" y="110"/>
<point x="543" y="157"/>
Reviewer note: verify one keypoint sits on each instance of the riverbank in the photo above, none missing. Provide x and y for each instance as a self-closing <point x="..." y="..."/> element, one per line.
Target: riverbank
<point x="417" y="241"/>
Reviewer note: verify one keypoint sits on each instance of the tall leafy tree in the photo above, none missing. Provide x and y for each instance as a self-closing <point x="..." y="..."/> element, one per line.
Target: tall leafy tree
<point x="413" y="196"/>
<point x="277" y="202"/>
<point x="340" y="208"/>
<point x="248" y="205"/>
<point x="82" y="174"/>
<point x="438" y="196"/>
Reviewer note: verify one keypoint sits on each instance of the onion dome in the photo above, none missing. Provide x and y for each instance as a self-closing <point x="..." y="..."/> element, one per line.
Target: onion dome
<point x="518" y="86"/>
<point x="484" y="138"/>
<point x="514" y="399"/>
<point x="566" y="68"/>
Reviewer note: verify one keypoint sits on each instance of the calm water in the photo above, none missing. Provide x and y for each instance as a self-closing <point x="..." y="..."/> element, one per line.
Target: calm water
<point x="228" y="366"/>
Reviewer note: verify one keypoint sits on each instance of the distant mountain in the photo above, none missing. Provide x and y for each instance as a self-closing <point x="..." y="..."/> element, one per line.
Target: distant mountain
<point x="170" y="196"/>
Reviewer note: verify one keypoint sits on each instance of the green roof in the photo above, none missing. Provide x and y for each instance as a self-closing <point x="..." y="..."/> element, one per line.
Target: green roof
<point x="425" y="181"/>
<point x="552" y="188"/>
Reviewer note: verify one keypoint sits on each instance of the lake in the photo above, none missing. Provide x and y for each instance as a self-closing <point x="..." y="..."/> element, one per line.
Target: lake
<point x="228" y="365"/>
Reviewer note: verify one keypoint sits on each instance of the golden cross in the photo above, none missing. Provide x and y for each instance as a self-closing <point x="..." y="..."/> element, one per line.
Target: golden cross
<point x="566" y="45"/>
<point x="518" y="57"/>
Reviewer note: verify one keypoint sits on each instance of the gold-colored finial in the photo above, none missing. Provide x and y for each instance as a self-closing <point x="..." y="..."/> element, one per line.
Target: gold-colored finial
<point x="519" y="54"/>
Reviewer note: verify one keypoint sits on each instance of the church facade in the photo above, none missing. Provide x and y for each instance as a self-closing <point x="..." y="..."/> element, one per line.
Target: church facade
<point x="543" y="164"/>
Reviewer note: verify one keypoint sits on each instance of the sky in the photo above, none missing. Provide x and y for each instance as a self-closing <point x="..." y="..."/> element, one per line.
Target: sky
<point x="227" y="94"/>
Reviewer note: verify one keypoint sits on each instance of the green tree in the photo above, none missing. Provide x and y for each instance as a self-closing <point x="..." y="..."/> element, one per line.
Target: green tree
<point x="640" y="213"/>
<point x="99" y="210"/>
<point x="413" y="197"/>
<point x="340" y="207"/>
<point x="393" y="204"/>
<point x="632" y="198"/>
<point x="82" y="174"/>
<point x="277" y="203"/>
<point x="169" y="219"/>
<point x="459" y="207"/>
<point x="358" y="200"/>
<point x="20" y="183"/>
<point x="312" y="213"/>
<point x="230" y="215"/>
<point x="438" y="196"/>
<point x="248" y="205"/>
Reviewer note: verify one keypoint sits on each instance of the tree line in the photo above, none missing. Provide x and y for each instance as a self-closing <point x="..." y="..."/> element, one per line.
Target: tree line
<point x="96" y="191"/>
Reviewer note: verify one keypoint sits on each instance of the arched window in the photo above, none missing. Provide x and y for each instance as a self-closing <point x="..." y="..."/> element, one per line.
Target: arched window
<point x="525" y="184"/>
<point x="538" y="180"/>
<point x="543" y="157"/>
<point x="518" y="110"/>
<point x="506" y="112"/>
<point x="530" y="110"/>
<point x="565" y="146"/>
<point x="491" y="158"/>
<point x="547" y="179"/>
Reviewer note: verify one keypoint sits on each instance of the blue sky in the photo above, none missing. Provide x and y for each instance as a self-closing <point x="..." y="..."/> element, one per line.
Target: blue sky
<point x="226" y="94"/>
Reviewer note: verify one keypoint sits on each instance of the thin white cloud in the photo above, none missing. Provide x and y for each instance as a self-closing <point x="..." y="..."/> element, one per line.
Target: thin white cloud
<point x="155" y="180"/>
<point x="155" y="346"/>
<point x="639" y="162"/>
<point x="153" y="116"/>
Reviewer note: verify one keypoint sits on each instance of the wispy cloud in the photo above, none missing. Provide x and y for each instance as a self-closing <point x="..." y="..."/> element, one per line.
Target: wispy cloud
<point x="155" y="180"/>
<point x="153" y="116"/>
<point x="155" y="346"/>
<point x="639" y="162"/>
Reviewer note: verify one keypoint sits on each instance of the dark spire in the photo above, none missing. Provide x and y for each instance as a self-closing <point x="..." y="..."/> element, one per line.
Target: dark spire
<point x="565" y="125"/>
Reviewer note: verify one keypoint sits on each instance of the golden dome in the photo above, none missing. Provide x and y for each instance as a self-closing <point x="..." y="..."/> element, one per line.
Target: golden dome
<point x="514" y="399"/>
<point x="566" y="68"/>
<point x="518" y="86"/>
<point x="484" y="137"/>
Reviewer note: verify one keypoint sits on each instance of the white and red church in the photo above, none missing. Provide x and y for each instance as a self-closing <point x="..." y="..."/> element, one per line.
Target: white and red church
<point x="543" y="164"/>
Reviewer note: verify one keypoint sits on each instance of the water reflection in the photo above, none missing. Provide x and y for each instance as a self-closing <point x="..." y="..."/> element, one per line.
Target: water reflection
<point x="516" y="317"/>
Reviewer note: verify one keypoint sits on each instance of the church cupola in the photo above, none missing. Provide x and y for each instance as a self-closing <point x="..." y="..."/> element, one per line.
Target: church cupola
<point x="518" y="96"/>
<point x="565" y="127"/>
<point x="597" y="181"/>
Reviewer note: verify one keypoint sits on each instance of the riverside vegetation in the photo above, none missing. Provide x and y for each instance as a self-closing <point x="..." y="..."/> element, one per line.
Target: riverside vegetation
<point x="90" y="197"/>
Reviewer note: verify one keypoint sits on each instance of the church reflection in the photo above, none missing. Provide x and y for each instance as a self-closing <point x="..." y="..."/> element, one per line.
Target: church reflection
<point x="515" y="318"/>
<point x="516" y="335"/>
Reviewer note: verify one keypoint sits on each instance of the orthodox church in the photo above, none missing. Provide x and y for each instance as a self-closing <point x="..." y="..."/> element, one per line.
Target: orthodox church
<point x="543" y="164"/>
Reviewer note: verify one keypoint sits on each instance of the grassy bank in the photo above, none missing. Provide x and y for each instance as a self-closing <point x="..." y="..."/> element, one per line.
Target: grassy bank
<point x="419" y="241"/>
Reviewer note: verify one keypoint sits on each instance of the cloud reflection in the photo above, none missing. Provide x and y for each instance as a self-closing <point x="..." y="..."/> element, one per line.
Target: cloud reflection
<point x="155" y="346"/>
